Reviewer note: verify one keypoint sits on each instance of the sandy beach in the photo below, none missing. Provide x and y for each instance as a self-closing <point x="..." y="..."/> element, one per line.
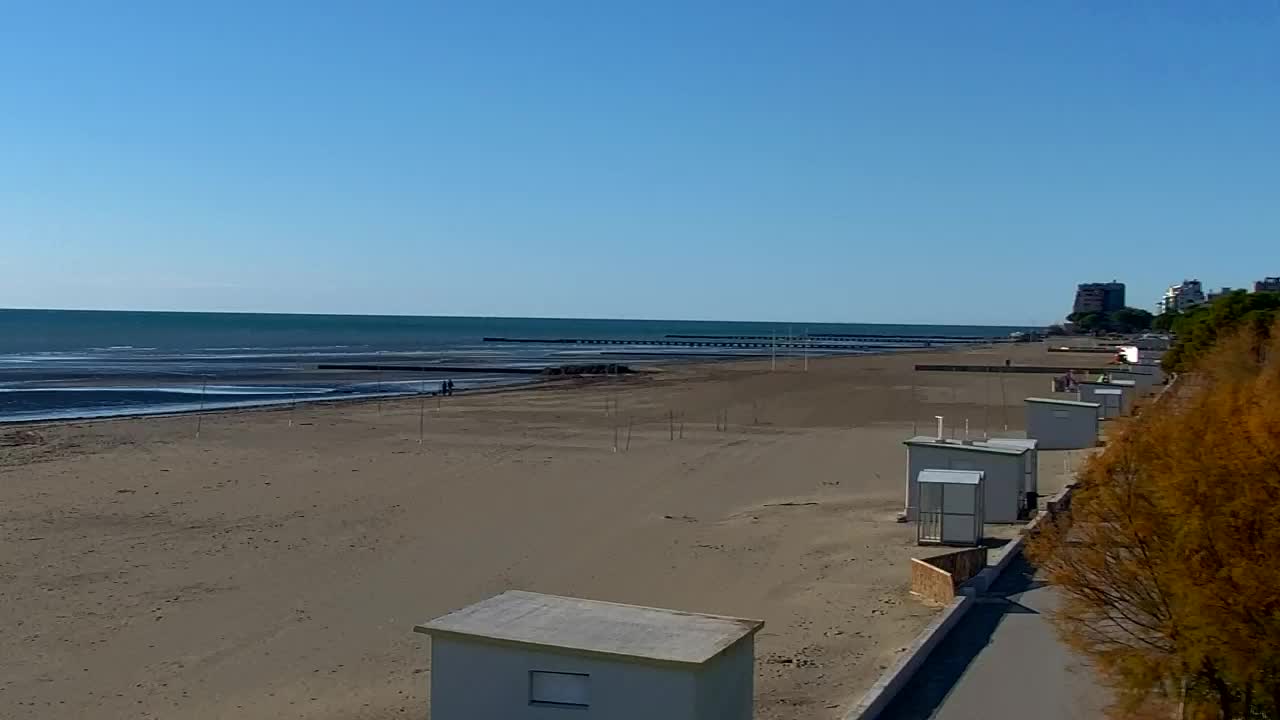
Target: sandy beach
<point x="274" y="566"/>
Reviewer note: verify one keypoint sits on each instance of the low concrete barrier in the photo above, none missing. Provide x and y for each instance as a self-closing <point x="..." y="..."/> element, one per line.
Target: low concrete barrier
<point x="899" y="674"/>
<point x="896" y="677"/>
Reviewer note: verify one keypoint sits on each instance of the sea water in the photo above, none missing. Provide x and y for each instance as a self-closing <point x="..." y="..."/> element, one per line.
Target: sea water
<point x="71" y="364"/>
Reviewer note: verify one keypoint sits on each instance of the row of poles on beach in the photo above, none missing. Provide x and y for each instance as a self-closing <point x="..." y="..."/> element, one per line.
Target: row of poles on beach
<point x="622" y="436"/>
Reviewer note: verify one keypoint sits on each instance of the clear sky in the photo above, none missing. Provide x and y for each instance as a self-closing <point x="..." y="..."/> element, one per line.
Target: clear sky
<point x="957" y="162"/>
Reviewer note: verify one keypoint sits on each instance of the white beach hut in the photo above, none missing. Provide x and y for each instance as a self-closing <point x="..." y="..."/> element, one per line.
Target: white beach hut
<point x="950" y="507"/>
<point x="1154" y="368"/>
<point x="1129" y="393"/>
<point x="529" y="656"/>
<point x="1142" y="377"/>
<point x="1031" y="460"/>
<point x="1003" y="468"/>
<point x="1058" y="424"/>
<point x="1113" y="399"/>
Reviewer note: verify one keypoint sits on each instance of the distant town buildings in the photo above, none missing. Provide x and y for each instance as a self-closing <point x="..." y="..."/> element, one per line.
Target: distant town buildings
<point x="1183" y="296"/>
<point x="1099" y="297"/>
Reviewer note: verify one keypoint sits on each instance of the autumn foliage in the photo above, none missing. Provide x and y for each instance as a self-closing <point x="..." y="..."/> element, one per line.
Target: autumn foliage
<point x="1170" y="558"/>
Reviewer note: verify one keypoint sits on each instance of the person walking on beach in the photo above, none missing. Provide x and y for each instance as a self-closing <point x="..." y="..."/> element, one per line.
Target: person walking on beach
<point x="444" y="385"/>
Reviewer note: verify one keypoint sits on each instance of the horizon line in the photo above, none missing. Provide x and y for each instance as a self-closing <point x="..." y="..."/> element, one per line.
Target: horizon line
<point x="507" y="317"/>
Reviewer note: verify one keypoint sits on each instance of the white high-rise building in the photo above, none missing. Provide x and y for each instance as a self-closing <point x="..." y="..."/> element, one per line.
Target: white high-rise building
<point x="1182" y="296"/>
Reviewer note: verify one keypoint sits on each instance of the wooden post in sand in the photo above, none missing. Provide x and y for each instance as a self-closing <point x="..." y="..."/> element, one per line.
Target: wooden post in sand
<point x="1004" y="407"/>
<point x="422" y="409"/>
<point x="986" y="406"/>
<point x="630" y="423"/>
<point x="671" y="423"/>
<point x="773" y="351"/>
<point x="204" y="386"/>
<point x="293" y="397"/>
<point x="915" y="430"/>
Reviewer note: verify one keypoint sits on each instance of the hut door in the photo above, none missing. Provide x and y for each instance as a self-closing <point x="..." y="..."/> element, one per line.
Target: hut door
<point x="929" y="519"/>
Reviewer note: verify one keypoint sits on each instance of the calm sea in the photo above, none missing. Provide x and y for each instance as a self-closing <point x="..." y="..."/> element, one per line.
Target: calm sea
<point x="62" y="364"/>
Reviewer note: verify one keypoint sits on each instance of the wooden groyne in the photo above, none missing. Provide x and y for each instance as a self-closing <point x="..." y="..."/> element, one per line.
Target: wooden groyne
<point x="1012" y="369"/>
<point x="1097" y="350"/>
<point x="857" y="338"/>
<point x="453" y="369"/>
<point x="589" y="369"/>
<point x="743" y="344"/>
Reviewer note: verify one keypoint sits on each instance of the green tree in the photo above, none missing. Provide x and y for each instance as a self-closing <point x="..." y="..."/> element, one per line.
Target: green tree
<point x="1087" y="322"/>
<point x="1199" y="328"/>
<point x="1129" y="320"/>
<point x="1164" y="321"/>
<point x="1124" y="320"/>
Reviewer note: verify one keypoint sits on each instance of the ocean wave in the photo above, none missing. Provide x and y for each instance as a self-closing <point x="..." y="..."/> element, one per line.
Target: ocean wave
<point x="176" y="389"/>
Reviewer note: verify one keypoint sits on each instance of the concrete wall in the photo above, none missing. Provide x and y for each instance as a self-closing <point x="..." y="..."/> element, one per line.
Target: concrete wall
<point x="1003" y="478"/>
<point x="1078" y="430"/>
<point x="726" y="686"/>
<point x="482" y="681"/>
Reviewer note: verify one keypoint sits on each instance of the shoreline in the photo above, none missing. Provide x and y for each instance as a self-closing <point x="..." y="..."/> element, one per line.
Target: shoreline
<point x="265" y="570"/>
<point x="534" y="381"/>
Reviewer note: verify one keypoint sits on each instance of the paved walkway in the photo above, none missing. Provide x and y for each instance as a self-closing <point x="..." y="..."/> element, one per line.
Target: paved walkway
<point x="1001" y="661"/>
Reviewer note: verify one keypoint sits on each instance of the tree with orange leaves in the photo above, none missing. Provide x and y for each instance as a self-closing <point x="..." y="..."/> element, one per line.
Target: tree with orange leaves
<point x="1170" y="561"/>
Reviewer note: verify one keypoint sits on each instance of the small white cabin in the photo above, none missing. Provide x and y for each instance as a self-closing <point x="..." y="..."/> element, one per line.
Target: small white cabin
<point x="950" y="507"/>
<point x="1003" y="468"/>
<point x="528" y="656"/>
<point x="1058" y="424"/>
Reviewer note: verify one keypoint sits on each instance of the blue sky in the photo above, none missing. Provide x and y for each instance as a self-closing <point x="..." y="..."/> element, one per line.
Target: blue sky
<point x="842" y="161"/>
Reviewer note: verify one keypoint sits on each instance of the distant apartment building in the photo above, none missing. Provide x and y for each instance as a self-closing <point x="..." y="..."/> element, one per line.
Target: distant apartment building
<point x="1183" y="296"/>
<point x="1099" y="297"/>
<point x="1215" y="294"/>
<point x="1271" y="284"/>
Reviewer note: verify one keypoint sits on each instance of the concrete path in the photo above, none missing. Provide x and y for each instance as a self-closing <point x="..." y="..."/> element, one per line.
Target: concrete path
<point x="1003" y="661"/>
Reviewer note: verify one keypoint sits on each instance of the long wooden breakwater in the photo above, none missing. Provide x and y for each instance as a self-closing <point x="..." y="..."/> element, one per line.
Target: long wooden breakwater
<point x="550" y="370"/>
<point x="452" y="369"/>
<point x="742" y="344"/>
<point x="1096" y="350"/>
<point x="1012" y="369"/>
<point x="935" y="339"/>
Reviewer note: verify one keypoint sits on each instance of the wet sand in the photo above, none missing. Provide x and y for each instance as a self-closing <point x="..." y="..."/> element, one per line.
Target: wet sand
<point x="274" y="567"/>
